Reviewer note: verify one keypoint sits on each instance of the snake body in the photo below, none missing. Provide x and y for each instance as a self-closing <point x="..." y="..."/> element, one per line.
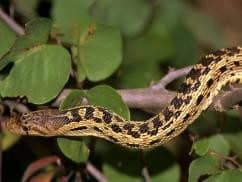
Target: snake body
<point x="195" y="94"/>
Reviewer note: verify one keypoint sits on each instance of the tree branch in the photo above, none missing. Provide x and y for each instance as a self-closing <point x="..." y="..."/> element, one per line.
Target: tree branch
<point x="171" y="76"/>
<point x="146" y="174"/>
<point x="95" y="172"/>
<point x="151" y="98"/>
<point x="227" y="99"/>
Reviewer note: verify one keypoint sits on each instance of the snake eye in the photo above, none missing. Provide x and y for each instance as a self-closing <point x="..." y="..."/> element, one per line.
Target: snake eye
<point x="25" y="117"/>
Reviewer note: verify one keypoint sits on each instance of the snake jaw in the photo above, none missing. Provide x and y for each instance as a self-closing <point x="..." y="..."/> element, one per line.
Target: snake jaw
<point x="15" y="126"/>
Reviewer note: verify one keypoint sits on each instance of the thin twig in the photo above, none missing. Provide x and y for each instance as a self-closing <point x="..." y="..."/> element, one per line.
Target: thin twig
<point x="227" y="99"/>
<point x="11" y="23"/>
<point x="146" y="174"/>
<point x="146" y="98"/>
<point x="171" y="76"/>
<point x="224" y="157"/>
<point x="95" y="172"/>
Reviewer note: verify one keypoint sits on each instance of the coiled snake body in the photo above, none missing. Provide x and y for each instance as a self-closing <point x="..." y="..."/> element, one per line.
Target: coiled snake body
<point x="196" y="93"/>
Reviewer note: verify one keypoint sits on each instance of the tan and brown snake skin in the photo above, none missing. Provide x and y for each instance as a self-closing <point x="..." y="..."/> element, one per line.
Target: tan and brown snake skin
<point x="196" y="93"/>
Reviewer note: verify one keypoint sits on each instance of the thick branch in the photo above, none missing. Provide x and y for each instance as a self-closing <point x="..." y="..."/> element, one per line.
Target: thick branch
<point x="146" y="98"/>
<point x="227" y="99"/>
<point x="157" y="96"/>
<point x="151" y="98"/>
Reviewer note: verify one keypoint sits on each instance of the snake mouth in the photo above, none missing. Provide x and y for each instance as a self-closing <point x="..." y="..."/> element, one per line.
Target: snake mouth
<point x="13" y="125"/>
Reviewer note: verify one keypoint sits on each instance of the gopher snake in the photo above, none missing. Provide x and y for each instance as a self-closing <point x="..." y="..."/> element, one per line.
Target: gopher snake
<point x="196" y="93"/>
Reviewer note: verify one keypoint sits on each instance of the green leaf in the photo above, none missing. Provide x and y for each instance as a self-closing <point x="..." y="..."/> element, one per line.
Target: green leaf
<point x="201" y="146"/>
<point x="70" y="26"/>
<point x="133" y="76"/>
<point x="107" y="97"/>
<point x="219" y="144"/>
<point x="113" y="174"/>
<point x="76" y="150"/>
<point x="205" y="165"/>
<point x="7" y="38"/>
<point x="234" y="140"/>
<point x="226" y="176"/>
<point x="37" y="33"/>
<point x="161" y="168"/>
<point x="8" y="139"/>
<point x="171" y="174"/>
<point x="100" y="51"/>
<point x="216" y="143"/>
<point x="72" y="99"/>
<point x="27" y="8"/>
<point x="184" y="55"/>
<point x="204" y="27"/>
<point x="121" y="14"/>
<point x="142" y="57"/>
<point x="39" y="74"/>
<point x="126" y="165"/>
<point x="99" y="46"/>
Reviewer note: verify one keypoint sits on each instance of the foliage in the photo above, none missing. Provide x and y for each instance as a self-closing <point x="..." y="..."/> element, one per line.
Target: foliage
<point x="86" y="46"/>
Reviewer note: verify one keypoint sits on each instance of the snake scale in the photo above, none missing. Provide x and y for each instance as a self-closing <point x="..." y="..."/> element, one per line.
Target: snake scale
<point x="196" y="93"/>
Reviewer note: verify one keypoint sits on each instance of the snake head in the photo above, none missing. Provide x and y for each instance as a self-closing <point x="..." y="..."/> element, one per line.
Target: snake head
<point x="23" y="123"/>
<point x="41" y="123"/>
<point x="14" y="125"/>
<point x="30" y="123"/>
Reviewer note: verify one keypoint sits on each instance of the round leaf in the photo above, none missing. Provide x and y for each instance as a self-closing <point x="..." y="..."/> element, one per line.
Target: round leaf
<point x="8" y="139"/>
<point x="108" y="97"/>
<point x="117" y="176"/>
<point x="76" y="150"/>
<point x="205" y="165"/>
<point x="7" y="38"/>
<point x="100" y="51"/>
<point x="171" y="174"/>
<point x="219" y="144"/>
<point x="37" y="32"/>
<point x="69" y="26"/>
<point x="226" y="176"/>
<point x="121" y="14"/>
<point x="39" y="74"/>
<point x="201" y="146"/>
<point x="72" y="99"/>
